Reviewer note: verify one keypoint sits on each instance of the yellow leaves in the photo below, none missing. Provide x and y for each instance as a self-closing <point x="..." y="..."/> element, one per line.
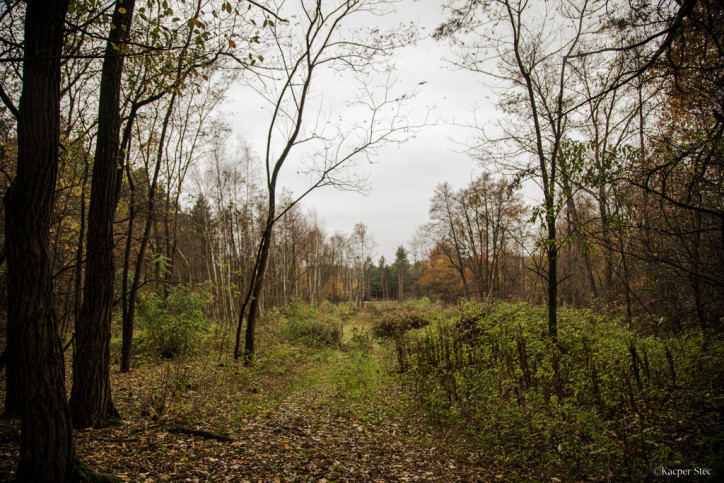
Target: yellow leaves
<point x="122" y="11"/>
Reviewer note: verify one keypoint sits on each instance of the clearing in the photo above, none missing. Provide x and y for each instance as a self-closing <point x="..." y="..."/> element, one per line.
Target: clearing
<point x="299" y="414"/>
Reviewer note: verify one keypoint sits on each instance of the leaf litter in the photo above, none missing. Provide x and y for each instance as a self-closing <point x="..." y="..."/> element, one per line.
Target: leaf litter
<point x="290" y="417"/>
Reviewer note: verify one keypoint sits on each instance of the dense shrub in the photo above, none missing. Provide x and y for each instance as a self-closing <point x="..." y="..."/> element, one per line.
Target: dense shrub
<point x="307" y="324"/>
<point x="173" y="326"/>
<point x="313" y="332"/>
<point x="392" y="320"/>
<point x="345" y="311"/>
<point x="602" y="402"/>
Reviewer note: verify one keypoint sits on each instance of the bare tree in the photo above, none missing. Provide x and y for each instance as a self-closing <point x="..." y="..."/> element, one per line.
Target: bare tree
<point x="535" y="44"/>
<point x="303" y="50"/>
<point x="196" y="45"/>
<point x="363" y="244"/>
<point x="445" y="212"/>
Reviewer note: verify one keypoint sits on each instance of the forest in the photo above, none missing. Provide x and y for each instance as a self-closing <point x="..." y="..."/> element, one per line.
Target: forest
<point x="172" y="308"/>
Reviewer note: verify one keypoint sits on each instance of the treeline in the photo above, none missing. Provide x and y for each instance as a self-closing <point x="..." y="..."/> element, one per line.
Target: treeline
<point x="625" y="146"/>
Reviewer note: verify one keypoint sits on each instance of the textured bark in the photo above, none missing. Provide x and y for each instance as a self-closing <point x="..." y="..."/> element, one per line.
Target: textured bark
<point x="91" y="403"/>
<point x="35" y="356"/>
<point x="12" y="385"/>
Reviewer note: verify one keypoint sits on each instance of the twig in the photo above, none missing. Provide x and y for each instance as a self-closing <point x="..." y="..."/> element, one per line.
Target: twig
<point x="201" y="433"/>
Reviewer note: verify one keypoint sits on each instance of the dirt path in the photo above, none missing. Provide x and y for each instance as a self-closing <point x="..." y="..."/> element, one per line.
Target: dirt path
<point x="337" y="417"/>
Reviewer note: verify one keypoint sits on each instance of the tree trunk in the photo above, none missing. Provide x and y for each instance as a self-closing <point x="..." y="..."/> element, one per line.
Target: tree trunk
<point x="258" y="282"/>
<point x="127" y="308"/>
<point x="130" y="296"/>
<point x="127" y="313"/>
<point x="552" y="274"/>
<point x="91" y="403"/>
<point x="35" y="359"/>
<point x="400" y="286"/>
<point x="78" y="280"/>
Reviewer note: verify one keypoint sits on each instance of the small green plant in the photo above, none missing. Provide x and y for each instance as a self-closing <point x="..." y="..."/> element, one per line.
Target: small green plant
<point x="360" y="341"/>
<point x="174" y="325"/>
<point x="345" y="311"/>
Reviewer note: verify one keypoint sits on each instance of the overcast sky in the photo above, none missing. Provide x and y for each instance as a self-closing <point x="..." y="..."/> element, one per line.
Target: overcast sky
<point x="402" y="177"/>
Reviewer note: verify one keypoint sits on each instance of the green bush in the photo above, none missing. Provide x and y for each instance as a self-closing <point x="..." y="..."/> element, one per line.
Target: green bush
<point x="313" y="332"/>
<point x="309" y="324"/>
<point x="395" y="319"/>
<point x="602" y="402"/>
<point x="173" y="326"/>
<point x="345" y="311"/>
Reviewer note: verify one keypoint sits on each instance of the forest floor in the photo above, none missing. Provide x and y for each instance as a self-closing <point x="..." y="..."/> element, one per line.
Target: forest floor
<point x="297" y="414"/>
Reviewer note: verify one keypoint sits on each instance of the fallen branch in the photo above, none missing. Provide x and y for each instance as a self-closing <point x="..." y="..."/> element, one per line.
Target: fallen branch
<point x="201" y="433"/>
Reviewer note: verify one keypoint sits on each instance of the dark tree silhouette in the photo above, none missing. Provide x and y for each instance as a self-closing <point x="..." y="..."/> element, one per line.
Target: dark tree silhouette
<point x="35" y="352"/>
<point x="90" y="401"/>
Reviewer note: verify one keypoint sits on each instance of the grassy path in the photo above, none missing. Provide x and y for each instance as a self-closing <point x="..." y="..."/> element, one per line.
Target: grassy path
<point x="297" y="415"/>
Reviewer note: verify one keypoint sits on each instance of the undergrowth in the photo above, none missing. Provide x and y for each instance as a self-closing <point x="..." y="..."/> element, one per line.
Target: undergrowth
<point x="310" y="324"/>
<point x="173" y="325"/>
<point x="392" y="319"/>
<point x="601" y="402"/>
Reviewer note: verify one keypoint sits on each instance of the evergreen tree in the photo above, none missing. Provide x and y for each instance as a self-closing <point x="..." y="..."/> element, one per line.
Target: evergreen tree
<point x="402" y="272"/>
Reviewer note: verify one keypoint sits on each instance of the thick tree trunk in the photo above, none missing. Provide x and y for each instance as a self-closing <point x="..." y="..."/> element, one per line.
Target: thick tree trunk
<point x="90" y="400"/>
<point x="35" y="359"/>
<point x="13" y="386"/>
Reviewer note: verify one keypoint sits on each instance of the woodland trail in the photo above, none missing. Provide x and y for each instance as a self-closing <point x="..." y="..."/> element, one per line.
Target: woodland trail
<point x="334" y="415"/>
